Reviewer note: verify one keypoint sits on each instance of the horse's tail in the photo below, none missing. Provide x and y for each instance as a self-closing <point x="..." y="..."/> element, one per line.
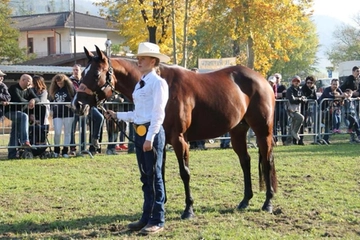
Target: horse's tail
<point x="272" y="172"/>
<point x="261" y="177"/>
<point x="163" y="171"/>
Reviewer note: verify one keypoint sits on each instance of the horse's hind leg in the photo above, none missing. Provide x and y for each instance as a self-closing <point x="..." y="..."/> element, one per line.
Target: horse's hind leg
<point x="181" y="150"/>
<point x="267" y="169"/>
<point x="238" y="141"/>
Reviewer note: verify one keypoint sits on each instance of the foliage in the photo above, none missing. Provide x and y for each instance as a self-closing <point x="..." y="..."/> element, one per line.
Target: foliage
<point x="302" y="57"/>
<point x="84" y="198"/>
<point x="347" y="43"/>
<point x="259" y="33"/>
<point x="9" y="46"/>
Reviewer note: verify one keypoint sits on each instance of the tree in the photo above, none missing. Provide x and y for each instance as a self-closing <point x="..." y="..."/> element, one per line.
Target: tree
<point x="257" y="32"/>
<point x="347" y="43"/>
<point x="302" y="58"/>
<point x="9" y="46"/>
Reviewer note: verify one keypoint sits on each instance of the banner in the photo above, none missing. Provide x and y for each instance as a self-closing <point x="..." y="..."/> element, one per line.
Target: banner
<point x="215" y="63"/>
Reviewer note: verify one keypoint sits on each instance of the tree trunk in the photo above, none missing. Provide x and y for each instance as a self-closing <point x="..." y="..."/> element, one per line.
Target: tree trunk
<point x="184" y="62"/>
<point x="173" y="31"/>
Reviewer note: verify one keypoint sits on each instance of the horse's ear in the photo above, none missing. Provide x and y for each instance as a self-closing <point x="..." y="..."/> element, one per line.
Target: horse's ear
<point x="100" y="53"/>
<point x="88" y="54"/>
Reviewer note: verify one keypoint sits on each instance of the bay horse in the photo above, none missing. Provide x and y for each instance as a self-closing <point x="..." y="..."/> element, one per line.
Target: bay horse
<point x="200" y="106"/>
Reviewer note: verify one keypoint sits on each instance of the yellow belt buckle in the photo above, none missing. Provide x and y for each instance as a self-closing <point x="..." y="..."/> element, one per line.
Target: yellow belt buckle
<point x="141" y="130"/>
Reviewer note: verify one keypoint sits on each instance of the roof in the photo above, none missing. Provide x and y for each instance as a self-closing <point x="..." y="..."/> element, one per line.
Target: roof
<point x="55" y="20"/>
<point x="55" y="59"/>
<point x="35" y="69"/>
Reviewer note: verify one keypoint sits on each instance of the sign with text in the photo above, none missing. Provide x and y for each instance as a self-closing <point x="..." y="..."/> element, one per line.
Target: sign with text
<point x="214" y="63"/>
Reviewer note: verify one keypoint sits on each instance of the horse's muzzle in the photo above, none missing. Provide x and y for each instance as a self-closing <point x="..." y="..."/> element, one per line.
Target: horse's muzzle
<point x="79" y="107"/>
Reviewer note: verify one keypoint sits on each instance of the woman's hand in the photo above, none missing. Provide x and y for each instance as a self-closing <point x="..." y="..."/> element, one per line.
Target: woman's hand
<point x="110" y="114"/>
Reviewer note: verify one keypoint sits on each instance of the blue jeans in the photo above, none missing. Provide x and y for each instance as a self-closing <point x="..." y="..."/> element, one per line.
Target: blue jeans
<point x="153" y="186"/>
<point x="82" y="131"/>
<point x="96" y="122"/>
<point x="225" y="143"/>
<point x="336" y="120"/>
<point x="19" y="130"/>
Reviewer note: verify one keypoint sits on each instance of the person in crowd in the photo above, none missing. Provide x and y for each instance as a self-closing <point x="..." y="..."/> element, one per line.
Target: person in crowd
<point x="225" y="143"/>
<point x="96" y="121"/>
<point x="113" y="128"/>
<point x="281" y="118"/>
<point x="334" y="93"/>
<point x="78" y="120"/>
<point x="5" y="96"/>
<point x="150" y="96"/>
<point x="18" y="114"/>
<point x="336" y="112"/>
<point x="61" y="91"/>
<point x="295" y="98"/>
<point x="199" y="144"/>
<point x="351" y="82"/>
<point x="351" y="117"/>
<point x="272" y="82"/>
<point x="308" y="108"/>
<point x="40" y="90"/>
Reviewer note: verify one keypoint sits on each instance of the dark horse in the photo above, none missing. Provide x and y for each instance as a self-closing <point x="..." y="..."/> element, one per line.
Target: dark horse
<point x="200" y="106"/>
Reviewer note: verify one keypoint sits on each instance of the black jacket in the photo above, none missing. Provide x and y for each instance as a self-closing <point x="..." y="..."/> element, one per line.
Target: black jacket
<point x="19" y="95"/>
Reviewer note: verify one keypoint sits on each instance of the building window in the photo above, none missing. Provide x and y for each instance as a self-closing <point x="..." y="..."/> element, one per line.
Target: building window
<point x="30" y="45"/>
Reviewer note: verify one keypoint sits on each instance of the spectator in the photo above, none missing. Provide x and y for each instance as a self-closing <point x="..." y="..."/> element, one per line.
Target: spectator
<point x="332" y="92"/>
<point x="351" y="117"/>
<point x="225" y="143"/>
<point x="62" y="91"/>
<point x="351" y="83"/>
<point x="81" y="120"/>
<point x="96" y="121"/>
<point x="5" y="96"/>
<point x="281" y="118"/>
<point x="199" y="144"/>
<point x="40" y="90"/>
<point x="295" y="98"/>
<point x="112" y="127"/>
<point x="308" y="108"/>
<point x="20" y="93"/>
<point x="272" y="82"/>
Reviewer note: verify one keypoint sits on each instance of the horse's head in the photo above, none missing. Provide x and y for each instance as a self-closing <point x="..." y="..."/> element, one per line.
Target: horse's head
<point x="96" y="84"/>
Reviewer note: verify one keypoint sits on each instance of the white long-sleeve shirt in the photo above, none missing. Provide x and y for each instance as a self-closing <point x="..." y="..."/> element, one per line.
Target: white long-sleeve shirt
<point x="150" y="102"/>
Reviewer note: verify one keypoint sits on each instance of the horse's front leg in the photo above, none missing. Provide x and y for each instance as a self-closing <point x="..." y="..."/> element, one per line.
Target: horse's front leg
<point x="181" y="149"/>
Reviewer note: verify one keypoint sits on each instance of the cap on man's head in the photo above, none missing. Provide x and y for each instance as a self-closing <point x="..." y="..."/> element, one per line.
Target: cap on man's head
<point x="296" y="78"/>
<point x="2" y="73"/>
<point x="277" y="75"/>
<point x="272" y="79"/>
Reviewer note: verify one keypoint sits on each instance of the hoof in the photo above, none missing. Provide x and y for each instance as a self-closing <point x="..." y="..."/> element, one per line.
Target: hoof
<point x="187" y="215"/>
<point x="243" y="205"/>
<point x="268" y="208"/>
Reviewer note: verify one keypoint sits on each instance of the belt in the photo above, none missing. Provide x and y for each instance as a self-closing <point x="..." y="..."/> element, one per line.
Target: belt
<point x="141" y="129"/>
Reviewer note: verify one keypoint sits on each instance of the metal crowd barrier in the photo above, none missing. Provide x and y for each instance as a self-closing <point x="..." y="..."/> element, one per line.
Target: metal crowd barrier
<point x="317" y="124"/>
<point x="82" y="136"/>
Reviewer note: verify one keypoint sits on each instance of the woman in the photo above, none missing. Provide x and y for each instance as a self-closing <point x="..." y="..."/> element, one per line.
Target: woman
<point x="61" y="91"/>
<point x="150" y="96"/>
<point x="40" y="90"/>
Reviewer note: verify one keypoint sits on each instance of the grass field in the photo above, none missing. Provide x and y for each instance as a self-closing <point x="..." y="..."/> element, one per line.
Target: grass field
<point x="83" y="198"/>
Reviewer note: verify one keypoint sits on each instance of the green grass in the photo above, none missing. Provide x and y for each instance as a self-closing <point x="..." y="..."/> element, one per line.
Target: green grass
<point x="82" y="198"/>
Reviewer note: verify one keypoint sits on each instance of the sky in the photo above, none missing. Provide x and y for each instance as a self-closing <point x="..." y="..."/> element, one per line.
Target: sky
<point x="340" y="9"/>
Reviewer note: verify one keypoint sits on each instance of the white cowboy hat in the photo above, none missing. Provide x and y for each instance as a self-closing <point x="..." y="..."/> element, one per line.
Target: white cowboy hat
<point x="2" y="73"/>
<point x="151" y="50"/>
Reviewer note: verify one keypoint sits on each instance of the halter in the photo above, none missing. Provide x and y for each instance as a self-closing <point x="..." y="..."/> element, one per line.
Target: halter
<point x="107" y="83"/>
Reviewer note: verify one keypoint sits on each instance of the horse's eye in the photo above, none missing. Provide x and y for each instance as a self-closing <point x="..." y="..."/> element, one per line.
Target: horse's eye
<point x="97" y="76"/>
